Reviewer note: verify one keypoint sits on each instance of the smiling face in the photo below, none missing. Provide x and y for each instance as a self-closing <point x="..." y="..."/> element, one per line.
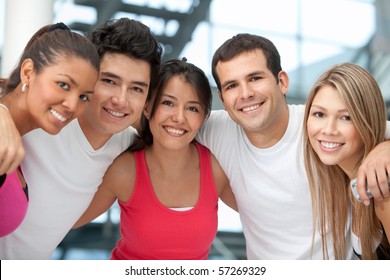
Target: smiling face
<point x="252" y="96"/>
<point x="120" y="95"/>
<point x="331" y="131"/>
<point x="178" y="116"/>
<point x="58" y="93"/>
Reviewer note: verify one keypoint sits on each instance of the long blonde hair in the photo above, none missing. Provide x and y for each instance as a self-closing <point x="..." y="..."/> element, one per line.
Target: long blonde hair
<point x="329" y="185"/>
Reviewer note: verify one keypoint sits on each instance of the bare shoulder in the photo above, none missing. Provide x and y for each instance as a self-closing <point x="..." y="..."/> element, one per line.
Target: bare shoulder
<point x="124" y="162"/>
<point x="121" y="175"/>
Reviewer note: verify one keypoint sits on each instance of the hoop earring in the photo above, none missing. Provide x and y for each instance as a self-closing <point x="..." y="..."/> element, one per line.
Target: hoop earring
<point x="24" y="88"/>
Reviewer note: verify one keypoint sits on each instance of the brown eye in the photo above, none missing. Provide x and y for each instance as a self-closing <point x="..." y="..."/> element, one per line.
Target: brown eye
<point x="84" y="98"/>
<point x="318" y="114"/>
<point x="64" y="85"/>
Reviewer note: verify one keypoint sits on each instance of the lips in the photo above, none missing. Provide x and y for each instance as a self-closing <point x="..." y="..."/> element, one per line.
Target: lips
<point x="250" y="108"/>
<point x="115" y="113"/>
<point x="57" y="115"/>
<point x="175" y="131"/>
<point x="330" y="145"/>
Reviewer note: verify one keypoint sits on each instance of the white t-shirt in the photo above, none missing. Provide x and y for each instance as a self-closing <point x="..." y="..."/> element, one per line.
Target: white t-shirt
<point x="270" y="186"/>
<point x="63" y="173"/>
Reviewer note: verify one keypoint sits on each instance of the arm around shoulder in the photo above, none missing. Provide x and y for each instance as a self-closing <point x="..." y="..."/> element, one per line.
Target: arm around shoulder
<point x="222" y="184"/>
<point x="116" y="184"/>
<point x="374" y="170"/>
<point x="11" y="147"/>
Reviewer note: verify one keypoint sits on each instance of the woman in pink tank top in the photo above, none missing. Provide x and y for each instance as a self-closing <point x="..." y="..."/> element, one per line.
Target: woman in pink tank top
<point x="167" y="185"/>
<point x="47" y="89"/>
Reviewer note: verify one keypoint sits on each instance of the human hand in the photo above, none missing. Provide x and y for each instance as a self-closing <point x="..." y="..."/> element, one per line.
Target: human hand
<point x="374" y="170"/>
<point x="11" y="146"/>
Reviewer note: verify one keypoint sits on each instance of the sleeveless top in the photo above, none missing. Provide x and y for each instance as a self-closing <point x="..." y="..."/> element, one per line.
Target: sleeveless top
<point x="150" y="230"/>
<point x="13" y="203"/>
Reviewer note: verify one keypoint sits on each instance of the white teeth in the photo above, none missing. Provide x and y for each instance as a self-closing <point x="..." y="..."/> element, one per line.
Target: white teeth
<point x="253" y="107"/>
<point x="115" y="114"/>
<point x="57" y="115"/>
<point x="175" y="131"/>
<point x="330" y="145"/>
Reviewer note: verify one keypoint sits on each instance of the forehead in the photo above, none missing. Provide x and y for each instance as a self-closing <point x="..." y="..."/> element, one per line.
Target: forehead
<point x="328" y="96"/>
<point x="124" y="66"/>
<point x="65" y="64"/>
<point x="242" y="65"/>
<point x="178" y="87"/>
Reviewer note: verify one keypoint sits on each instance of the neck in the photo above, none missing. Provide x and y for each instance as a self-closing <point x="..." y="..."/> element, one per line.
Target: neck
<point x="272" y="134"/>
<point x="169" y="161"/>
<point x="349" y="171"/>
<point x="96" y="138"/>
<point x="17" y="106"/>
<point x="351" y="165"/>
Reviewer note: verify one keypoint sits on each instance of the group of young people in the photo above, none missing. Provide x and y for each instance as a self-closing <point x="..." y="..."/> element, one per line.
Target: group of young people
<point x="147" y="137"/>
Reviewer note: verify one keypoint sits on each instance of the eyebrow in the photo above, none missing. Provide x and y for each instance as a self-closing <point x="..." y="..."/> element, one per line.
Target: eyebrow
<point x="174" y="97"/>
<point x="114" y="76"/>
<point x="69" y="77"/>
<point x="73" y="81"/>
<point x="255" y="73"/>
<point x="322" y="108"/>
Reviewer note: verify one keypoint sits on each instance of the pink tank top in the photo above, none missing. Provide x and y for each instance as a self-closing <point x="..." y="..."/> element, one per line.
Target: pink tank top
<point x="13" y="204"/>
<point x="152" y="231"/>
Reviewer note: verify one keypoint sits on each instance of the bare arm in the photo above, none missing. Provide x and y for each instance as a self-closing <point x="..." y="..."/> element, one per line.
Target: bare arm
<point x="118" y="182"/>
<point x="374" y="170"/>
<point x="11" y="147"/>
<point x="100" y="203"/>
<point x="223" y="186"/>
<point x="228" y="198"/>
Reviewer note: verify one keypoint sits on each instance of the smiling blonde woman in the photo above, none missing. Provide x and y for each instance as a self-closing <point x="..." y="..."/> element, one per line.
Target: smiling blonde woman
<point x="345" y="119"/>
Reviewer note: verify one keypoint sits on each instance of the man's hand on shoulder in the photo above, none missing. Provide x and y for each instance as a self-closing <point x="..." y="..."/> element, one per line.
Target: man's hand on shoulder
<point x="375" y="172"/>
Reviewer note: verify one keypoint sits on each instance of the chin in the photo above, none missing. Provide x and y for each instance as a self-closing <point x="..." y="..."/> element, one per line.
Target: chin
<point x="329" y="162"/>
<point x="53" y="131"/>
<point x="114" y="130"/>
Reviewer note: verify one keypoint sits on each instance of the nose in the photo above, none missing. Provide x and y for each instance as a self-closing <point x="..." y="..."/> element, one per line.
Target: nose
<point x="330" y="127"/>
<point x="72" y="103"/>
<point x="120" y="99"/>
<point x="179" y="115"/>
<point x="246" y="91"/>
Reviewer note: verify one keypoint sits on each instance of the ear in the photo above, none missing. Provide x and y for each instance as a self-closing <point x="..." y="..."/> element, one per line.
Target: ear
<point x="147" y="110"/>
<point x="283" y="82"/>
<point x="26" y="71"/>
<point x="221" y="98"/>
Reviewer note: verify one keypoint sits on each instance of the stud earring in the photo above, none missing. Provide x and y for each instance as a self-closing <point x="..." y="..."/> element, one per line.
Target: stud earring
<point x="24" y="88"/>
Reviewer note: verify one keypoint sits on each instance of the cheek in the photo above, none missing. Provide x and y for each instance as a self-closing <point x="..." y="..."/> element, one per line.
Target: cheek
<point x="228" y="98"/>
<point x="312" y="127"/>
<point x="41" y="95"/>
<point x="80" y="108"/>
<point x="93" y="107"/>
<point x="355" y="138"/>
<point x="138" y="106"/>
<point x="104" y="92"/>
<point x="97" y="97"/>
<point x="153" y="126"/>
<point x="197" y="124"/>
